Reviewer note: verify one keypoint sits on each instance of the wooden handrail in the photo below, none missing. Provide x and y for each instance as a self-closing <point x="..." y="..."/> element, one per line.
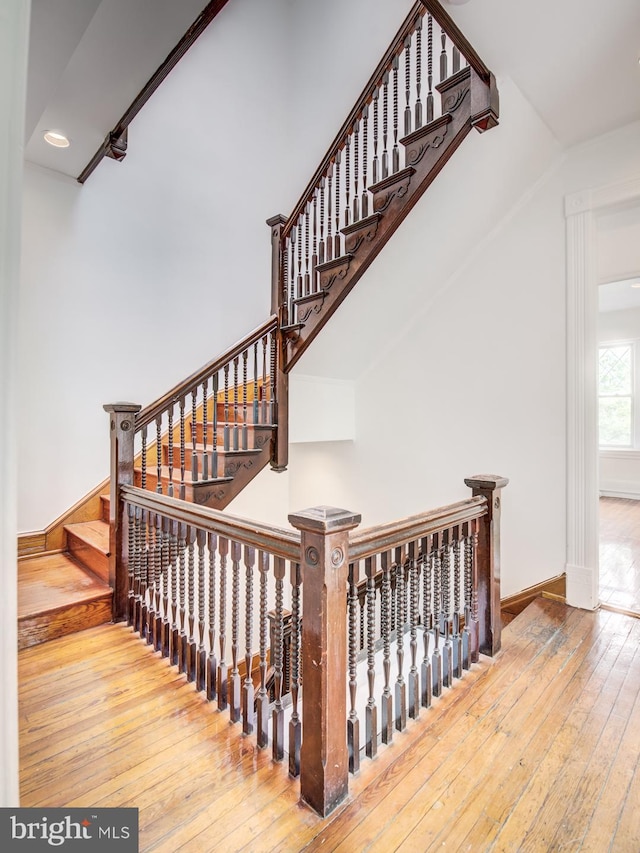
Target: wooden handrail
<point x="151" y="412"/>
<point x="373" y="540"/>
<point x="266" y="537"/>
<point x="451" y="28"/>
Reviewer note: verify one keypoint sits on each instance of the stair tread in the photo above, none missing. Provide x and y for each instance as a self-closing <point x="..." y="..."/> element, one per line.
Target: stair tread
<point x="94" y="533"/>
<point x="49" y="581"/>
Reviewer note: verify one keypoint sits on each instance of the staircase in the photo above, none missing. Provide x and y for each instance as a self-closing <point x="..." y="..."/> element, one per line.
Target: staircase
<point x="209" y="436"/>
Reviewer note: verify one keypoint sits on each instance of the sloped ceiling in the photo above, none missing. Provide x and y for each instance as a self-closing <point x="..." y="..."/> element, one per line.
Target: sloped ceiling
<point x="575" y="60"/>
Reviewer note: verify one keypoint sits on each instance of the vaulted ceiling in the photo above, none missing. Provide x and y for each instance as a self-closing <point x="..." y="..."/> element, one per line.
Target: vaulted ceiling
<point x="575" y="60"/>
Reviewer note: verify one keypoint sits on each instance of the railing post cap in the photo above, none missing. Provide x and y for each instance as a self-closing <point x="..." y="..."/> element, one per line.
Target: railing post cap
<point x="278" y="219"/>
<point x="325" y="519"/>
<point x="122" y="407"/>
<point x="486" y="481"/>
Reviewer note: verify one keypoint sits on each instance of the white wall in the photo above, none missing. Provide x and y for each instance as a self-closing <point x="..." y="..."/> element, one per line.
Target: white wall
<point x="157" y="263"/>
<point x="14" y="32"/>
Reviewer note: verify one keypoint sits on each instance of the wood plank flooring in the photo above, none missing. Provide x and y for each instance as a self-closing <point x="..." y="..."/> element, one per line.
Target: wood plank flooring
<point x="535" y="751"/>
<point x="620" y="553"/>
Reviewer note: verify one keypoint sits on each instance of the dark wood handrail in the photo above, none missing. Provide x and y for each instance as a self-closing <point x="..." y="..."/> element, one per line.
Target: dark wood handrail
<point x="266" y="537"/>
<point x="194" y="32"/>
<point x="457" y="37"/>
<point x="151" y="412"/>
<point x="374" y="540"/>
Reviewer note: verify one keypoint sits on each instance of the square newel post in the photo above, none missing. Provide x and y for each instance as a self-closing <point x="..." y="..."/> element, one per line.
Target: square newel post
<point x="488" y="561"/>
<point x="122" y="430"/>
<point x="280" y="456"/>
<point x="324" y="757"/>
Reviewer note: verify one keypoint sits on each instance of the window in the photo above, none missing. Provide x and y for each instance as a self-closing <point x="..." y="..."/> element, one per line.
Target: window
<point x="616" y="382"/>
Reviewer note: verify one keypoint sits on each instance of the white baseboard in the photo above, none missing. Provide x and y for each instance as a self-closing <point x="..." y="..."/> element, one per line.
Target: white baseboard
<point x="610" y="493"/>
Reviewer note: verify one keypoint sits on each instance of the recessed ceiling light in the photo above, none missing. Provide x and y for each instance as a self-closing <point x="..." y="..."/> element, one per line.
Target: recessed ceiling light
<point x="58" y="140"/>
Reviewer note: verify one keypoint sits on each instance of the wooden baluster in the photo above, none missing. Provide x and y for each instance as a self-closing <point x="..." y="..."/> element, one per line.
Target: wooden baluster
<point x="307" y="276"/>
<point x="256" y="389"/>
<point x="245" y="428"/>
<point x="353" y="724"/>
<point x="347" y="179"/>
<point x="385" y="125"/>
<point x="173" y="558"/>
<point x="273" y="418"/>
<point x="321" y="246"/>
<point x="436" y="661"/>
<point x="191" y="613"/>
<point x="212" y="541"/>
<point x="427" y="622"/>
<point x="248" y="713"/>
<point x="201" y="651"/>
<point x="151" y="579"/>
<point x="236" y="418"/>
<point x="387" y="698"/>
<point x="466" y="631"/>
<point x="225" y="435"/>
<point x="170" y="449"/>
<point x="299" y="279"/>
<point x="356" y="171"/>
<point x="429" y="69"/>
<point x="371" y="713"/>
<point x="235" y="685"/>
<point x="278" y="708"/>
<point x="418" y="104"/>
<point x="205" y="430"/>
<point x="182" y="574"/>
<point x="414" y="681"/>
<point x="457" y="639"/>
<point x="407" y="85"/>
<point x="362" y="621"/>
<point x="194" y="435"/>
<point x="314" y="250"/>
<point x="443" y="56"/>
<point x="159" y="454"/>
<point x="144" y="573"/>
<point x="364" y="206"/>
<point x="165" y="626"/>
<point x="395" y="157"/>
<point x="223" y="550"/>
<point x="135" y="619"/>
<point x="159" y="553"/>
<point x="214" y="426"/>
<point x="329" y="247"/>
<point x="131" y="548"/>
<point x="401" y="687"/>
<point x="376" y="163"/>
<point x="182" y="451"/>
<point x="455" y="60"/>
<point x="262" y="701"/>
<point x="264" y="380"/>
<point x="337" y="250"/>
<point x="143" y="459"/>
<point x="295" y="724"/>
<point x="447" y="649"/>
<point x="475" y="632"/>
<point x="292" y="269"/>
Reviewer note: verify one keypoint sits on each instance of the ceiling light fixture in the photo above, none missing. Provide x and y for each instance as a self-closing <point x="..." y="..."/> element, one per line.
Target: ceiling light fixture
<point x="58" y="140"/>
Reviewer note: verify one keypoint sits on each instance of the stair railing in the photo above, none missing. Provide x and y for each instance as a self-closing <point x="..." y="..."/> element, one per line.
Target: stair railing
<point x="402" y="111"/>
<point x="216" y="594"/>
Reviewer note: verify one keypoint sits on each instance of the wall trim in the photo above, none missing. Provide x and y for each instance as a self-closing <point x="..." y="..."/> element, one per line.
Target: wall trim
<point x="633" y="495"/>
<point x="581" y="212"/>
<point x="516" y="603"/>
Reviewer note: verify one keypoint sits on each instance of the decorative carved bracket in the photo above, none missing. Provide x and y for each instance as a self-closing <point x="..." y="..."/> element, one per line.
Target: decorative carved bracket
<point x="420" y="141"/>
<point x="361" y="232"/>
<point x="396" y="185"/>
<point x="308" y="305"/>
<point x="332" y="270"/>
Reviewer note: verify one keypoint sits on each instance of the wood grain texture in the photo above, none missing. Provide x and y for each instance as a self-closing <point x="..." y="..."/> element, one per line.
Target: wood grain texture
<point x="535" y="750"/>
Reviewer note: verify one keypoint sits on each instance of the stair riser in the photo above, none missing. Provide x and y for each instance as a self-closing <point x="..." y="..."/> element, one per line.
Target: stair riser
<point x="87" y="555"/>
<point x="33" y="630"/>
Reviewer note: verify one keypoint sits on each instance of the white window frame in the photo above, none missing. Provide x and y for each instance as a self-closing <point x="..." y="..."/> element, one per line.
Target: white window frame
<point x="611" y="450"/>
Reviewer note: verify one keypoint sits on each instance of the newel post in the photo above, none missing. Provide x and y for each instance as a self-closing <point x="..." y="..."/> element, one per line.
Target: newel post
<point x="280" y="456"/>
<point x="488" y="561"/>
<point x="324" y="757"/>
<point x="122" y="418"/>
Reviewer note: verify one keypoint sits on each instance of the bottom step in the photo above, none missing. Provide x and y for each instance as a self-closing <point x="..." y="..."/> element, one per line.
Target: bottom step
<point x="57" y="597"/>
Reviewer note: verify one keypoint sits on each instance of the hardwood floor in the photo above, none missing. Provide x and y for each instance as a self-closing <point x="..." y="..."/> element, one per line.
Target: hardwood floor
<point x="535" y="751"/>
<point x="620" y="553"/>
